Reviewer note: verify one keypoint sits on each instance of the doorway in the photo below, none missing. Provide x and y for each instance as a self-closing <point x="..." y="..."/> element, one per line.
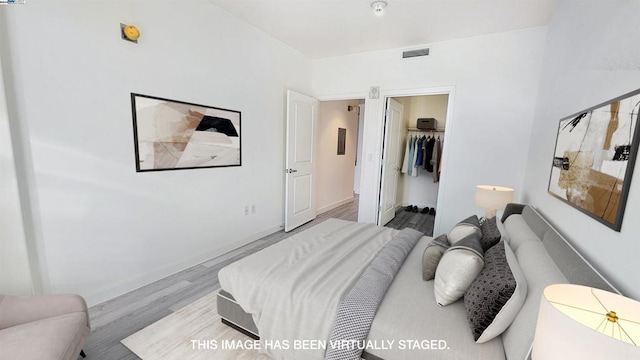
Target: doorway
<point x="412" y="200"/>
<point x="338" y="140"/>
<point x="320" y="156"/>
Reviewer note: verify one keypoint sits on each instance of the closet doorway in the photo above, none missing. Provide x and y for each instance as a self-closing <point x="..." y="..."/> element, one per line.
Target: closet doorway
<point x="413" y="157"/>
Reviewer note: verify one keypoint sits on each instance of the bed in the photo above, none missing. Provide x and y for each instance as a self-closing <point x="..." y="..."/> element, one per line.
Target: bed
<point x="294" y="291"/>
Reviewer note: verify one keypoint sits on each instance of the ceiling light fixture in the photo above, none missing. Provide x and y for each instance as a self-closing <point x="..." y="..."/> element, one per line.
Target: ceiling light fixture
<point x="378" y="7"/>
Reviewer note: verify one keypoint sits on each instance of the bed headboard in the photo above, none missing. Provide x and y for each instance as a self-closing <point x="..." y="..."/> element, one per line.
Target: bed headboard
<point x="575" y="267"/>
<point x="545" y="258"/>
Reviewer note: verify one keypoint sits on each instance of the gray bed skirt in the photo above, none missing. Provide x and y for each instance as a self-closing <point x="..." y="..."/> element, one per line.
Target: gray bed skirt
<point x="234" y="316"/>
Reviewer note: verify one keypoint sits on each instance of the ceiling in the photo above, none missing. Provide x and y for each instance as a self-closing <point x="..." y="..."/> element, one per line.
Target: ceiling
<point x="324" y="28"/>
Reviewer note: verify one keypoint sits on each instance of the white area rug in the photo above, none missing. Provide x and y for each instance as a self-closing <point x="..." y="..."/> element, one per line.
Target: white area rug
<point x="193" y="332"/>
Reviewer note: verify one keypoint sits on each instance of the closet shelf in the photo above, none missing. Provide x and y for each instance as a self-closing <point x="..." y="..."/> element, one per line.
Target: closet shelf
<point x="425" y="131"/>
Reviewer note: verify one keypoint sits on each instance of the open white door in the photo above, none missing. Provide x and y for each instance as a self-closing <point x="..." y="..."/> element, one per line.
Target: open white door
<point x="391" y="162"/>
<point x="302" y="122"/>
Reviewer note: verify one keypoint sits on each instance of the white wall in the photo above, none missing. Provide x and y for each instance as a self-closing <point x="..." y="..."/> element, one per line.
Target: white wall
<point x="495" y="78"/>
<point x="103" y="228"/>
<point x="15" y="272"/>
<point x="335" y="173"/>
<point x="591" y="56"/>
<point x="421" y="190"/>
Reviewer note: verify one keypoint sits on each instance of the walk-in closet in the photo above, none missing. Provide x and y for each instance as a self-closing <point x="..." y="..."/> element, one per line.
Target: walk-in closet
<point x="423" y="137"/>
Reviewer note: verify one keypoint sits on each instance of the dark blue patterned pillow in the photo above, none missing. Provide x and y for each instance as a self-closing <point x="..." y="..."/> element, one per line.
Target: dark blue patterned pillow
<point x="490" y="234"/>
<point x="495" y="297"/>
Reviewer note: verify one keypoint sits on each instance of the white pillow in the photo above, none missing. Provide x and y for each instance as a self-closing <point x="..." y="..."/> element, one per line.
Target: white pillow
<point x="458" y="268"/>
<point x="466" y="227"/>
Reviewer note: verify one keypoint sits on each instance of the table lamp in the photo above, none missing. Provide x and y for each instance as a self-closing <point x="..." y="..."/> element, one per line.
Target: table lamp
<point x="492" y="198"/>
<point x="580" y="322"/>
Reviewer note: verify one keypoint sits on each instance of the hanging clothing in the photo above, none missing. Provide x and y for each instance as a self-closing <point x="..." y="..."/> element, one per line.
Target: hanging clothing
<point x="428" y="153"/>
<point x="420" y="153"/>
<point x="405" y="161"/>
<point x="440" y="162"/>
<point x="409" y="156"/>
<point x="435" y="160"/>
<point x="414" y="146"/>
<point x="425" y="159"/>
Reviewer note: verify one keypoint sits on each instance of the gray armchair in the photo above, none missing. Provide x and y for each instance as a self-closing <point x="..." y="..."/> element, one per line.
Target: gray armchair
<point x="43" y="327"/>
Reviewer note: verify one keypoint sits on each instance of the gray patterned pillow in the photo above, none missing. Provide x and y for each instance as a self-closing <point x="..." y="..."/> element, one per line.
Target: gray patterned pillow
<point x="432" y="255"/>
<point x="466" y="227"/>
<point x="495" y="297"/>
<point x="490" y="234"/>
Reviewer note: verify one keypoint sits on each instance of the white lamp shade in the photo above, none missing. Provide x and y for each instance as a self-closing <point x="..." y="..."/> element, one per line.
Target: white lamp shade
<point x="573" y="324"/>
<point x="493" y="197"/>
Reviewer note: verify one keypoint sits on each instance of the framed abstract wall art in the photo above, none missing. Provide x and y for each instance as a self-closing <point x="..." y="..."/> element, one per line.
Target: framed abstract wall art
<point x="595" y="154"/>
<point x="171" y="135"/>
<point x="342" y="141"/>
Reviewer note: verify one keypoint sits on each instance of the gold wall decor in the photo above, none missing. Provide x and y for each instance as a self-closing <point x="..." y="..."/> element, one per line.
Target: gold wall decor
<point x="129" y="33"/>
<point x="594" y="157"/>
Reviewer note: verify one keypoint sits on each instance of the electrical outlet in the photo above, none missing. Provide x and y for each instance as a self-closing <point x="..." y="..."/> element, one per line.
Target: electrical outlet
<point x="253" y="209"/>
<point x="246" y="209"/>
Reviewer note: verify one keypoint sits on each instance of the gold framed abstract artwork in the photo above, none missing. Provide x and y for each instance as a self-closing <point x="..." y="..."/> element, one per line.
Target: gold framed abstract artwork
<point x="171" y="135"/>
<point x="594" y="157"/>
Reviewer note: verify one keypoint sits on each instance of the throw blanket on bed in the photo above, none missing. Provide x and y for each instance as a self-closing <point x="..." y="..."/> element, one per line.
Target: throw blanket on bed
<point x="292" y="289"/>
<point x="359" y="306"/>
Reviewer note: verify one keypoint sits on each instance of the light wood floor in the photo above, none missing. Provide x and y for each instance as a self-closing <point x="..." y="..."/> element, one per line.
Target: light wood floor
<point x="120" y="317"/>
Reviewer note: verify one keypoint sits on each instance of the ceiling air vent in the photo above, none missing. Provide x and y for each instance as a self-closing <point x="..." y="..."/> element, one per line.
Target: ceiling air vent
<point x="415" y="53"/>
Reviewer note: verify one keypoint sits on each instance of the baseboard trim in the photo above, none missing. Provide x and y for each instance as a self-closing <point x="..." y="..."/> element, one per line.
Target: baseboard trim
<point x="329" y="207"/>
<point x="110" y="292"/>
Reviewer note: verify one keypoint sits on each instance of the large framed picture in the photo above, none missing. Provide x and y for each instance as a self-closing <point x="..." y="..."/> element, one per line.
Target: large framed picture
<point x="595" y="153"/>
<point x="171" y="135"/>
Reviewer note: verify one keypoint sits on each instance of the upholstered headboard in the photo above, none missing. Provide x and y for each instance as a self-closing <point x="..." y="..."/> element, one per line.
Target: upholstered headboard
<point x="575" y="267"/>
<point x="545" y="258"/>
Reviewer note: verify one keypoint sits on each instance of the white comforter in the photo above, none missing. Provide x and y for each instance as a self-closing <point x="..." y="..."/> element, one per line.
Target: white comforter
<point x="293" y="288"/>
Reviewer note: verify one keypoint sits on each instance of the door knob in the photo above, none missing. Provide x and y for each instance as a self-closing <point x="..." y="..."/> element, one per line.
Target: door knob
<point x="290" y="171"/>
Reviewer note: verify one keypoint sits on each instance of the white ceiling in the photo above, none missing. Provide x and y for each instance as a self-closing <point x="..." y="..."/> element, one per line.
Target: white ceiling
<point x="323" y="28"/>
